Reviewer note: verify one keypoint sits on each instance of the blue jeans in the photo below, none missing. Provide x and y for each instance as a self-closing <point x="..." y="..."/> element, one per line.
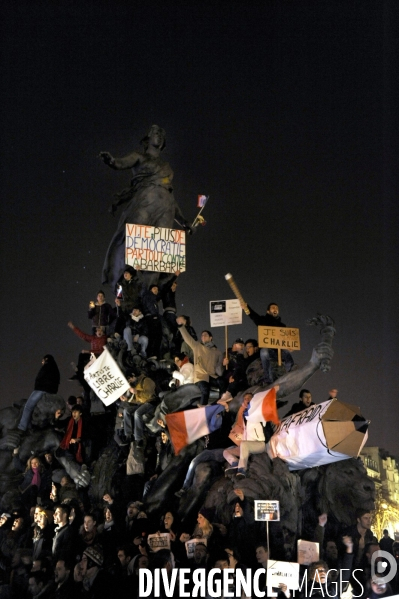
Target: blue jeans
<point x="146" y="408"/>
<point x="30" y="405"/>
<point x="208" y="455"/>
<point x="206" y="388"/>
<point x="142" y="341"/>
<point x="267" y="356"/>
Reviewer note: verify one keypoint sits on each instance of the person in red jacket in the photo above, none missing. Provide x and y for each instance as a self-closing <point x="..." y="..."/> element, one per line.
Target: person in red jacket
<point x="97" y="343"/>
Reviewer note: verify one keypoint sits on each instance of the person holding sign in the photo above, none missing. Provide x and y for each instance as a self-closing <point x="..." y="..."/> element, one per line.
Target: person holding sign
<point x="149" y="199"/>
<point x="267" y="356"/>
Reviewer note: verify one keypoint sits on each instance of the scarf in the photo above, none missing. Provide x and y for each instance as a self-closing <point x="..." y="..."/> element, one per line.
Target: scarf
<point x="36" y="480"/>
<point x="68" y="436"/>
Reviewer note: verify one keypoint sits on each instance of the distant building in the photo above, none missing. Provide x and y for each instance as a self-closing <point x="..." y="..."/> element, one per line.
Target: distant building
<point x="382" y="467"/>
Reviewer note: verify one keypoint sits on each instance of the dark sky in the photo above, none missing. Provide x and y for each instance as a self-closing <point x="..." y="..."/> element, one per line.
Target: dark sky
<point x="285" y="113"/>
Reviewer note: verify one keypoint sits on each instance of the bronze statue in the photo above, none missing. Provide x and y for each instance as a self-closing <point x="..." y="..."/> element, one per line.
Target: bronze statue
<point x="150" y="199"/>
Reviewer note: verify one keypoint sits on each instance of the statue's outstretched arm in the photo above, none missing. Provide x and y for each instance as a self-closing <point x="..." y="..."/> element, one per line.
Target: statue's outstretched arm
<point x="79" y="474"/>
<point x="321" y="357"/>
<point x="292" y="381"/>
<point x="128" y="161"/>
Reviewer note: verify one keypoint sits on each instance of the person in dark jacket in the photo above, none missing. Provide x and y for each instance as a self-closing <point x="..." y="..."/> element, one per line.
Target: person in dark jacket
<point x="47" y="381"/>
<point x="149" y="299"/>
<point x="168" y="297"/>
<point x="101" y="313"/>
<point x="270" y="319"/>
<point x="63" y="578"/>
<point x="305" y="397"/>
<point x="136" y="331"/>
<point x="75" y="435"/>
<point x="91" y="581"/>
<point x="64" y="540"/>
<point x="42" y="535"/>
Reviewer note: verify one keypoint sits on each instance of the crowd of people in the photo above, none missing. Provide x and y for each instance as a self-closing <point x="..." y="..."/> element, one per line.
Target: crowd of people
<point x="57" y="542"/>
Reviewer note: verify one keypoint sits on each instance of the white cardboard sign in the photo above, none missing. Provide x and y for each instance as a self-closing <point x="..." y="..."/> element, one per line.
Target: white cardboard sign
<point x="282" y="572"/>
<point x="225" y="312"/>
<point x="106" y="379"/>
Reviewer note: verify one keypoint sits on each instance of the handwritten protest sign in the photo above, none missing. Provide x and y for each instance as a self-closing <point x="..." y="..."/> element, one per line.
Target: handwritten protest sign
<point x="106" y="379"/>
<point x="282" y="572"/>
<point x="267" y="510"/>
<point x="321" y="434"/>
<point x="279" y="338"/>
<point x="159" y="541"/>
<point x="190" y="546"/>
<point x="225" y="312"/>
<point x="308" y="552"/>
<point x="156" y="248"/>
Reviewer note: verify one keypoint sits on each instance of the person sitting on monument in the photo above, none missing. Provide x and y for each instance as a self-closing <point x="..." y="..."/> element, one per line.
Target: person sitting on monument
<point x="136" y="331"/>
<point x="208" y="367"/>
<point x="167" y="295"/>
<point x="97" y="343"/>
<point x="234" y="364"/>
<point x="128" y="296"/>
<point x="149" y="300"/>
<point x="47" y="381"/>
<point x="100" y="313"/>
<point x="72" y="443"/>
<point x="146" y="400"/>
<point x="185" y="373"/>
<point x="267" y="355"/>
<point x="252" y="363"/>
<point x="305" y="401"/>
<point x="249" y="438"/>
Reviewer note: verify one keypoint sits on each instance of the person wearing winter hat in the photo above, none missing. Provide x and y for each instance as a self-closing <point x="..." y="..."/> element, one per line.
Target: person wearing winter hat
<point x="89" y="575"/>
<point x="204" y="528"/>
<point x="94" y="554"/>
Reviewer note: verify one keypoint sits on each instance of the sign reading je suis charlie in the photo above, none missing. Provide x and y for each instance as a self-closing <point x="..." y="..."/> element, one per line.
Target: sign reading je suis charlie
<point x="279" y="338"/>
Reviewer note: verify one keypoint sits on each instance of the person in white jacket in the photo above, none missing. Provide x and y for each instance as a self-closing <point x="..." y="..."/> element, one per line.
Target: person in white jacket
<point x="185" y="374"/>
<point x="251" y="440"/>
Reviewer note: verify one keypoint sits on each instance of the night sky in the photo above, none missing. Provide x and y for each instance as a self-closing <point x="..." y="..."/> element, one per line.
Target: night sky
<point x="285" y="113"/>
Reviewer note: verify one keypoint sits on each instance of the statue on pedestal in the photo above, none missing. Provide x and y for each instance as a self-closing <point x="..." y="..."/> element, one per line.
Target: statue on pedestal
<point x="149" y="199"/>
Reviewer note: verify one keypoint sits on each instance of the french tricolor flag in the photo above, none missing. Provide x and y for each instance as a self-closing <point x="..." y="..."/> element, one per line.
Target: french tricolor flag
<point x="263" y="407"/>
<point x="201" y="201"/>
<point x="190" y="425"/>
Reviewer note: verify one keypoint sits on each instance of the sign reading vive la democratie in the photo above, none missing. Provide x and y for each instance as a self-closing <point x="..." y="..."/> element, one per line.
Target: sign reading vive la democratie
<point x="157" y="249"/>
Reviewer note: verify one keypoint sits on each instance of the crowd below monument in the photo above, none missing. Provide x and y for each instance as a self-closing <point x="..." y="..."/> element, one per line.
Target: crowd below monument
<point x="96" y="492"/>
<point x="56" y="541"/>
